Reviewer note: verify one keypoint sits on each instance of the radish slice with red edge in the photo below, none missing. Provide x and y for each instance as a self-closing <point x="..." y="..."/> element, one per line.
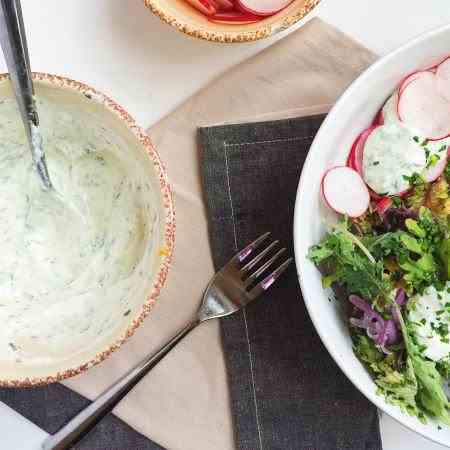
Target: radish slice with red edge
<point x="233" y="17"/>
<point x="378" y="119"/>
<point x="433" y="172"/>
<point x="359" y="148"/>
<point x="443" y="78"/>
<point x="345" y="192"/>
<point x="433" y="67"/>
<point x="357" y="151"/>
<point x="204" y="6"/>
<point x="383" y="205"/>
<point x="409" y="78"/>
<point x="351" y="155"/>
<point x="421" y="106"/>
<point x="224" y="5"/>
<point x="262" y="7"/>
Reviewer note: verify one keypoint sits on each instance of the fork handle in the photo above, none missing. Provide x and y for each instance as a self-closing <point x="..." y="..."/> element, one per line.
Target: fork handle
<point x="89" y="417"/>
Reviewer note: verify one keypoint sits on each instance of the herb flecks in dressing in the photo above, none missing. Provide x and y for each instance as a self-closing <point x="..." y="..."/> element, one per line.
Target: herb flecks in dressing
<point x="72" y="258"/>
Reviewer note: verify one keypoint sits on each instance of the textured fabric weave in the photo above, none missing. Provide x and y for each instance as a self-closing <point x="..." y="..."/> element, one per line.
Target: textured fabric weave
<point x="50" y="407"/>
<point x="286" y="391"/>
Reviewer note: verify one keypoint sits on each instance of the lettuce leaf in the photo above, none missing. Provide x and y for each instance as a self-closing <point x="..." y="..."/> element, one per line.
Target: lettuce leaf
<point x="398" y="386"/>
<point x="344" y="257"/>
<point x="430" y="393"/>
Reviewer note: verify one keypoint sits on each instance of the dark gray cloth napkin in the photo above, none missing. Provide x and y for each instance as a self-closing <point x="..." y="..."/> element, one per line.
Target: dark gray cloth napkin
<point x="286" y="391"/>
<point x="50" y="407"/>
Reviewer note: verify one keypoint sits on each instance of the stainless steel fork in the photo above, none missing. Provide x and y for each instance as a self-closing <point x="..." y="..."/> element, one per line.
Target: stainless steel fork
<point x="232" y="288"/>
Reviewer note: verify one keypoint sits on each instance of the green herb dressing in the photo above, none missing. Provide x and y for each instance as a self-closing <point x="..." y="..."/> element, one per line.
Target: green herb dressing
<point x="72" y="259"/>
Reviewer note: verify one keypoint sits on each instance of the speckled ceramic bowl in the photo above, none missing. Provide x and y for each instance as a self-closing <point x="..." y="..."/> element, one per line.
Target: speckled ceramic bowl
<point x="181" y="15"/>
<point x="115" y="321"/>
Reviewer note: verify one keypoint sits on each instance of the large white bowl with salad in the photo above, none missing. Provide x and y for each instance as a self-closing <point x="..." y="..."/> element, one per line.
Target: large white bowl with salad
<point x="372" y="234"/>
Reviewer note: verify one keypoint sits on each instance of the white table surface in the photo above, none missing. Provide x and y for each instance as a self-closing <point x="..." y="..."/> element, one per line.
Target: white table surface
<point x="150" y="68"/>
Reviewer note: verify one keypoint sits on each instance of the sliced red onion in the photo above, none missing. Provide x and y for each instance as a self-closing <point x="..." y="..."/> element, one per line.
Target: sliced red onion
<point x="359" y="323"/>
<point x="400" y="297"/>
<point x="362" y="305"/>
<point x="395" y="316"/>
<point x="376" y="332"/>
<point x="391" y="332"/>
<point x="383" y="332"/>
<point x="385" y="350"/>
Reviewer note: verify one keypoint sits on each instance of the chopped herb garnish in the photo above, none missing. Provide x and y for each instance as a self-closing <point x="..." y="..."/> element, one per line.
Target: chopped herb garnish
<point x="432" y="160"/>
<point x="442" y="329"/>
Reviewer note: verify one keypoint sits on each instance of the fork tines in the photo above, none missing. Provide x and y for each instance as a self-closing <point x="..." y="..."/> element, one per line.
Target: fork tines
<point x="253" y="269"/>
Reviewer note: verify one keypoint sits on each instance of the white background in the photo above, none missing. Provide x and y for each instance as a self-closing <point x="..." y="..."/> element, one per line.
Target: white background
<point x="120" y="48"/>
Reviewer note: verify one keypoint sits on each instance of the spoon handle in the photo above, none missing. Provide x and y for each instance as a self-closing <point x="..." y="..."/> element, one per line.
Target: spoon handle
<point x="14" y="44"/>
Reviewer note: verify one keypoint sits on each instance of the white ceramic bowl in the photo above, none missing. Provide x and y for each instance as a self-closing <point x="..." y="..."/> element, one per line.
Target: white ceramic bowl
<point x="351" y="114"/>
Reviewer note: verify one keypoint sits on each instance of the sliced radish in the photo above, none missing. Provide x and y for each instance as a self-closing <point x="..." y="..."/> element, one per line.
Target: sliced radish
<point x="433" y="68"/>
<point x="351" y="155"/>
<point x="409" y="78"/>
<point x="374" y="195"/>
<point x="262" y="7"/>
<point x="421" y="106"/>
<point x="443" y="78"/>
<point x="378" y="119"/>
<point x="224" y="5"/>
<point x="345" y="192"/>
<point x="383" y="205"/>
<point x="204" y="6"/>
<point x="233" y="17"/>
<point x="359" y="149"/>
<point x="434" y="172"/>
<point x="354" y="159"/>
<point x="351" y="163"/>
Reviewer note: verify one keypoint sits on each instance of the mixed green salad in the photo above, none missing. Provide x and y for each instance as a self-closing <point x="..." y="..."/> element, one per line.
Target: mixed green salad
<point x="392" y="272"/>
<point x="388" y="257"/>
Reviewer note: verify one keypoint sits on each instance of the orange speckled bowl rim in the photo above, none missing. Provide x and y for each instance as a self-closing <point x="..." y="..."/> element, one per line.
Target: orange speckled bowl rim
<point x="168" y="235"/>
<point x="265" y="31"/>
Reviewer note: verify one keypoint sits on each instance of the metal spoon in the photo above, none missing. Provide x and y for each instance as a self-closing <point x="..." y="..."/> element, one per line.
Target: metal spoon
<point x="14" y="45"/>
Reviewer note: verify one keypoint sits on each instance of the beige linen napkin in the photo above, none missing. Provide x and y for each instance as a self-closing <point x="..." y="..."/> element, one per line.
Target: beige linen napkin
<point x="183" y="403"/>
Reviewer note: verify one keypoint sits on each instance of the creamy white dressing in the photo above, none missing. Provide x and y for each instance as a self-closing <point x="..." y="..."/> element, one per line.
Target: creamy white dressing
<point x="431" y="318"/>
<point x="36" y="139"/>
<point x="72" y="259"/>
<point x="391" y="155"/>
